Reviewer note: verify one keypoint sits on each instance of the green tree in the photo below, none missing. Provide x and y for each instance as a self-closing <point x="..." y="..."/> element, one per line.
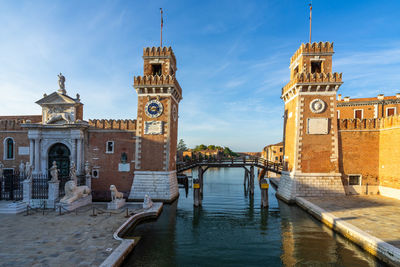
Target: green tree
<point x="211" y="147"/>
<point x="181" y="145"/>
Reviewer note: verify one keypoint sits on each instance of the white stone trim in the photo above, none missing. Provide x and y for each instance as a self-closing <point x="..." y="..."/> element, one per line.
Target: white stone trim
<point x="389" y="192"/>
<point x="387" y="110"/>
<point x="5" y="148"/>
<point x="354" y="174"/>
<point x="362" y="113"/>
<point x="113" y="144"/>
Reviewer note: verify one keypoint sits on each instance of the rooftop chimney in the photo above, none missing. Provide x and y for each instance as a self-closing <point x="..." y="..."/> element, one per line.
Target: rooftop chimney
<point x="346" y="99"/>
<point x="381" y="96"/>
<point x="339" y="97"/>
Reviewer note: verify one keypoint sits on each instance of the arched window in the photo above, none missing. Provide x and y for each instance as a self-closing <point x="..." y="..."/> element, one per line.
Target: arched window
<point x="9" y="148"/>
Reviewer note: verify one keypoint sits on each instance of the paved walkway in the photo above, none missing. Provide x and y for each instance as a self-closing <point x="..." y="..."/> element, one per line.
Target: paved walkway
<point x="376" y="215"/>
<point x="53" y="240"/>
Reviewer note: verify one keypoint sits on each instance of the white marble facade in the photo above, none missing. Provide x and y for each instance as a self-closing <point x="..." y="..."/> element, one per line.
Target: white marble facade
<point x="42" y="138"/>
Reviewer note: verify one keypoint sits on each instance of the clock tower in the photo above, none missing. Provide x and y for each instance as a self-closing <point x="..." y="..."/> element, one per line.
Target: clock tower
<point x="159" y="94"/>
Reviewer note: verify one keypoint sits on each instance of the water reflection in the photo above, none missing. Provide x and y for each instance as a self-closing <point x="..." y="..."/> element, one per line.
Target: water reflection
<point x="231" y="229"/>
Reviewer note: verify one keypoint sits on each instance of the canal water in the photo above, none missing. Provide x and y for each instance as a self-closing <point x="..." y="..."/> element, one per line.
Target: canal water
<point x="231" y="229"/>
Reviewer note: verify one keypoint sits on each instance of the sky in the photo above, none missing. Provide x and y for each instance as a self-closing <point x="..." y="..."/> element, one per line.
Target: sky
<point x="232" y="57"/>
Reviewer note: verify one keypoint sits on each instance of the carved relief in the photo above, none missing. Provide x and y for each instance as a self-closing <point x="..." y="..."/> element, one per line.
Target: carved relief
<point x="317" y="106"/>
<point x="59" y="114"/>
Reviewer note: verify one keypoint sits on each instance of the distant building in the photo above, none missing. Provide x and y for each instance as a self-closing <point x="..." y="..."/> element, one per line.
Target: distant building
<point x="368" y="108"/>
<point x="273" y="152"/>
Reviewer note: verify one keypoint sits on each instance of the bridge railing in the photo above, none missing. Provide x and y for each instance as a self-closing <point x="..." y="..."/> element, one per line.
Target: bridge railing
<point x="257" y="161"/>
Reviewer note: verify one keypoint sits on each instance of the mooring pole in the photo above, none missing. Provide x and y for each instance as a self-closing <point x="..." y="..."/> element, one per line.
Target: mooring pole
<point x="264" y="193"/>
<point x="196" y="193"/>
<point x="200" y="171"/>
<point x="252" y="180"/>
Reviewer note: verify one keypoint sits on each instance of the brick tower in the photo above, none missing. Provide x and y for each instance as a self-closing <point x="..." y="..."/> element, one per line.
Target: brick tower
<point x="159" y="94"/>
<point x="310" y="125"/>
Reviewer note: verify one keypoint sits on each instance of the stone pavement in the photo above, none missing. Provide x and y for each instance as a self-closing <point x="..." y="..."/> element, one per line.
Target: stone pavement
<point x="376" y="215"/>
<point x="53" y="240"/>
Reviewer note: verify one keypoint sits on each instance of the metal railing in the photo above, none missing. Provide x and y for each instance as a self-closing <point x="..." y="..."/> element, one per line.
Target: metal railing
<point x="40" y="186"/>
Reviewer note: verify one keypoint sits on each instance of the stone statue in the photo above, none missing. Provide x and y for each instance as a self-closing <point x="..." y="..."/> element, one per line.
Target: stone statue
<point x="72" y="173"/>
<point x="1" y="169"/>
<point x="21" y="169"/>
<point x="147" y="203"/>
<point x="58" y="113"/>
<point x="61" y="82"/>
<point x="115" y="195"/>
<point x="74" y="193"/>
<point x="87" y="169"/>
<point x="54" y="173"/>
<point x="28" y="171"/>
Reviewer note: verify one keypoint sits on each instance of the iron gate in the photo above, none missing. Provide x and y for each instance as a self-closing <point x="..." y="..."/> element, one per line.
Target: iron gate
<point x="11" y="186"/>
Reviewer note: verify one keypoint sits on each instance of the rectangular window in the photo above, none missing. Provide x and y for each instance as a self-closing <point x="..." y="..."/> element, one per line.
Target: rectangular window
<point x="276" y="158"/>
<point x="354" y="179"/>
<point x="390" y="112"/>
<point x="156" y="69"/>
<point x="358" y="114"/>
<point x="280" y="149"/>
<point x="110" y="147"/>
<point x="316" y="66"/>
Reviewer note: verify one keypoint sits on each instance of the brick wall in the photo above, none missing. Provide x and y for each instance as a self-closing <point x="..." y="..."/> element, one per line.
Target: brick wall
<point x="107" y="163"/>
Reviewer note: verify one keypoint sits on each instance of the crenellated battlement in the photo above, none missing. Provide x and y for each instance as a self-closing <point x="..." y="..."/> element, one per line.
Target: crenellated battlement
<point x="313" y="78"/>
<point x="156" y="80"/>
<point x="11" y="124"/>
<point x="369" y="124"/>
<point x="158" y="52"/>
<point x="129" y="125"/>
<point x="321" y="47"/>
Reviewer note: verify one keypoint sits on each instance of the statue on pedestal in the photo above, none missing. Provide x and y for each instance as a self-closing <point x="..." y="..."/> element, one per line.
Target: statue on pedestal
<point x="87" y="169"/>
<point x="1" y="169"/>
<point x="54" y="173"/>
<point x="61" y="83"/>
<point x="28" y="171"/>
<point x="147" y="203"/>
<point x="115" y="195"/>
<point x="21" y="169"/>
<point x="74" y="193"/>
<point x="72" y="173"/>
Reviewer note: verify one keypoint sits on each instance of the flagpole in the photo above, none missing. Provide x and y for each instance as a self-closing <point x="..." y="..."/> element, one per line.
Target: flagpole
<point x="161" y="27"/>
<point x="310" y="19"/>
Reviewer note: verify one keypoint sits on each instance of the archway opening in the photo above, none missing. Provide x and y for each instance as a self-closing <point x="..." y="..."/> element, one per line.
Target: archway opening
<point x="61" y="155"/>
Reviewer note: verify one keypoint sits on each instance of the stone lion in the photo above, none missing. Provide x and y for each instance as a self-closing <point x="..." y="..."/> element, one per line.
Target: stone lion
<point x="115" y="195"/>
<point x="73" y="192"/>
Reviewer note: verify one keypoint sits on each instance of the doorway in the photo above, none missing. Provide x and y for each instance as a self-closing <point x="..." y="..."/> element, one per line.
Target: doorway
<point x="60" y="154"/>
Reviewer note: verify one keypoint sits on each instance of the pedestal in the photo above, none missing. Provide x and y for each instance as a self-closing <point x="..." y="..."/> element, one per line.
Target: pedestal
<point x="161" y="186"/>
<point x="117" y="204"/>
<point x="76" y="204"/>
<point x="89" y="181"/>
<point x="27" y="193"/>
<point x="53" y="196"/>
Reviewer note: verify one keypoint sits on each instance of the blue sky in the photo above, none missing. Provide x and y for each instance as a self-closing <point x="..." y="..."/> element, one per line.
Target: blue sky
<point x="233" y="57"/>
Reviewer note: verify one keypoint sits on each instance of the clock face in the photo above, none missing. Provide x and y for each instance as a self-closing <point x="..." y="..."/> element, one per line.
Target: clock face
<point x="153" y="108"/>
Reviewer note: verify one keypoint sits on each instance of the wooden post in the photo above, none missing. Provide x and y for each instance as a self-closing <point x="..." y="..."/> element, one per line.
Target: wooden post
<point x="252" y="180"/>
<point x="196" y="193"/>
<point x="264" y="193"/>
<point x="200" y="170"/>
